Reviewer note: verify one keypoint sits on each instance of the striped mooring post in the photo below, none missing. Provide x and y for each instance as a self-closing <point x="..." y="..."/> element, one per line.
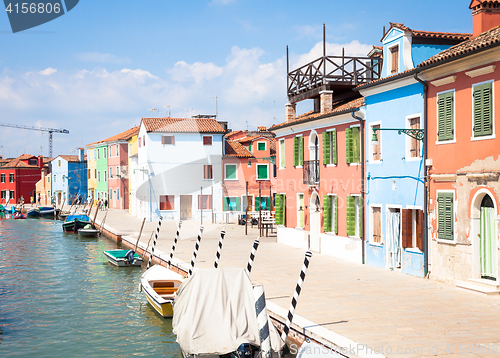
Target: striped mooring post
<point x="252" y="255"/>
<point x="298" y="288"/>
<point x="217" y="255"/>
<point x="195" y="252"/>
<point x="154" y="243"/>
<point x="173" y="246"/>
<point x="262" y="321"/>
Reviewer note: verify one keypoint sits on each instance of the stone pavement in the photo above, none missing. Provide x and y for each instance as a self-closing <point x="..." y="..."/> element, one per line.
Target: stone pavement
<point x="391" y="313"/>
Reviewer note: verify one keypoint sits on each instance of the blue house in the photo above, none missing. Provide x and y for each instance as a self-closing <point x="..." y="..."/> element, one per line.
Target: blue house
<point x="395" y="160"/>
<point x="69" y="177"/>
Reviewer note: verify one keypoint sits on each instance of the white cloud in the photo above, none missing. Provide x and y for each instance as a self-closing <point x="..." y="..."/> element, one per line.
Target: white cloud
<point x="198" y="71"/>
<point x="48" y="71"/>
<point x="101" y="57"/>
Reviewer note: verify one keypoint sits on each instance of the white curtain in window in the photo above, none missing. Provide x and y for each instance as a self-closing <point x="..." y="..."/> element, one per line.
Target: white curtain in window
<point x="393" y="237"/>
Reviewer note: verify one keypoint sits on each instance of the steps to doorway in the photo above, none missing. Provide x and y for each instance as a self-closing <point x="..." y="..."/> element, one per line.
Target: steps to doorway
<point x="487" y="287"/>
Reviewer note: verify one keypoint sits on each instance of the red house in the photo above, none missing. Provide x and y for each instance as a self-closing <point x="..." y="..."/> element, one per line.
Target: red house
<point x="18" y="178"/>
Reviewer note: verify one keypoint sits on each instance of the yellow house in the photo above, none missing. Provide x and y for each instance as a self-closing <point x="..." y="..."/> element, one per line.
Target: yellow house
<point x="43" y="189"/>
<point x="91" y="173"/>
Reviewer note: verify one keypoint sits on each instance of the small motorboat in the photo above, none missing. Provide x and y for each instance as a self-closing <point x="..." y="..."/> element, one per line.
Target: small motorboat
<point x="33" y="213"/>
<point x="88" y="231"/>
<point x="18" y="215"/>
<point x="46" y="210"/>
<point x="160" y="286"/>
<point x="123" y="258"/>
<point x="75" y="222"/>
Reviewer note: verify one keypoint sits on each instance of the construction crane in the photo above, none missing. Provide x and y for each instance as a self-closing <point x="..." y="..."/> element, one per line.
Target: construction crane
<point x="50" y="130"/>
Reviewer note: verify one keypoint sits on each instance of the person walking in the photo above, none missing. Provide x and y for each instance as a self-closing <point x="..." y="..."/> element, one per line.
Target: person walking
<point x="32" y="200"/>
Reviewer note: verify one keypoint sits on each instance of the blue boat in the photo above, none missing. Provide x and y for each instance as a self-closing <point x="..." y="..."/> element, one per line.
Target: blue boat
<point x="75" y="222"/>
<point x="33" y="213"/>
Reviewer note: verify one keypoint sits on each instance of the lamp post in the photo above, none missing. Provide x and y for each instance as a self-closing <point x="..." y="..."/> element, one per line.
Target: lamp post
<point x="417" y="134"/>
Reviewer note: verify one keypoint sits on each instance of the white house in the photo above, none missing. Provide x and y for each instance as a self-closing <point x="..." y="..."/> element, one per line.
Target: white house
<point x="178" y="172"/>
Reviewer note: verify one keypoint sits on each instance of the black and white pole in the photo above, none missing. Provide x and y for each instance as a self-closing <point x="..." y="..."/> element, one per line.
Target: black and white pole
<point x="252" y="255"/>
<point x="195" y="252"/>
<point x="173" y="246"/>
<point x="154" y="242"/>
<point x="262" y="321"/>
<point x="217" y="255"/>
<point x="298" y="288"/>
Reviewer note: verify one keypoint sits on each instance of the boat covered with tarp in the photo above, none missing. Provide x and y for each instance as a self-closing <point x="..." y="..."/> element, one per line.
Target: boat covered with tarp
<point x="75" y="222"/>
<point x="215" y="316"/>
<point x="123" y="258"/>
<point x="88" y="231"/>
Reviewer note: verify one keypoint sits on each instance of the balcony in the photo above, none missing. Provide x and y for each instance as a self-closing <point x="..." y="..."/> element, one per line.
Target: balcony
<point x="310" y="172"/>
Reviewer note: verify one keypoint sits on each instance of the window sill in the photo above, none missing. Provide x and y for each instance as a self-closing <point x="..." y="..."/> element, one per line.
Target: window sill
<point x="413" y="159"/>
<point x="453" y="141"/>
<point x="231" y="179"/>
<point x="379" y="244"/>
<point x="448" y="242"/>
<point x="375" y="161"/>
<point x="414" y="250"/>
<point x="298" y="166"/>
<point x="170" y="211"/>
<point x="486" y="137"/>
<point x="354" y="164"/>
<point x="331" y="165"/>
<point x="330" y="233"/>
<point x="299" y="228"/>
<point x="263" y="179"/>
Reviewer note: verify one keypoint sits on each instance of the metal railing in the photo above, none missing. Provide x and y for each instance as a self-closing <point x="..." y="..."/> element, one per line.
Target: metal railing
<point x="310" y="172"/>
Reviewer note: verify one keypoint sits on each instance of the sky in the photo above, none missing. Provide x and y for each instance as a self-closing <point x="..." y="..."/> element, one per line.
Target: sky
<point x="100" y="68"/>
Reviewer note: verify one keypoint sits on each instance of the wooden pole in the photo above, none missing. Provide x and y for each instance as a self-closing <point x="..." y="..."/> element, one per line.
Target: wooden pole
<point x="95" y="215"/>
<point x="140" y="232"/>
<point x="102" y="223"/>
<point x="246" y="211"/>
<point x="146" y="250"/>
<point x="61" y="207"/>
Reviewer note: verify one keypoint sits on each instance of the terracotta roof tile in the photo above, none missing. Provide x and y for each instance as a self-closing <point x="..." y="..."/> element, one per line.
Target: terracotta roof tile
<point x="338" y="108"/>
<point x="70" y="158"/>
<point x="236" y="149"/>
<point x="431" y="34"/>
<point x="183" y="125"/>
<point x="233" y="133"/>
<point x="484" y="40"/>
<point x="18" y="162"/>
<point x="129" y="133"/>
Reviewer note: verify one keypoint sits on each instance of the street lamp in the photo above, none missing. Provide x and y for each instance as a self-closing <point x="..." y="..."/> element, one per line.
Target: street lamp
<point x="417" y="134"/>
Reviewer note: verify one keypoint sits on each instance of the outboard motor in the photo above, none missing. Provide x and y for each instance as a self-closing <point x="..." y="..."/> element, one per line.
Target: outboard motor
<point x="129" y="256"/>
<point x="243" y="351"/>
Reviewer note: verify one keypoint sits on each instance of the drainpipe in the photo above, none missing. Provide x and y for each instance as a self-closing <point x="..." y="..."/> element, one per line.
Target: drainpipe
<point x="362" y="149"/>
<point x="426" y="182"/>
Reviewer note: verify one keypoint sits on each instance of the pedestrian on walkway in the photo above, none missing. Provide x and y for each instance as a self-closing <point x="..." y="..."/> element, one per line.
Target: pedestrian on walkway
<point x="105" y="203"/>
<point x="39" y="199"/>
<point x="32" y="200"/>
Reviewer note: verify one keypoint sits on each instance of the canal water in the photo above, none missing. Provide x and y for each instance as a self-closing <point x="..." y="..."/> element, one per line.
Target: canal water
<point x="59" y="297"/>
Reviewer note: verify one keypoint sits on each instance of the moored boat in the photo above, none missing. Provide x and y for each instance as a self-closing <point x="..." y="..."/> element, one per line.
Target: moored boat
<point x="46" y="210"/>
<point x="18" y="215"/>
<point x="88" y="231"/>
<point x="75" y="222"/>
<point x="123" y="258"/>
<point x="160" y="286"/>
<point x="33" y="213"/>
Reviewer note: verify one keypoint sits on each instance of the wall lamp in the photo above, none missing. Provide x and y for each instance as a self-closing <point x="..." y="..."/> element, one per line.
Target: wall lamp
<point x="417" y="134"/>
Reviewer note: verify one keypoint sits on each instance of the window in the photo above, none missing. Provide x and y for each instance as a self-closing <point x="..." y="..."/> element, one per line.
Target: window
<point x="88" y="173"/>
<point x="207" y="172"/>
<point x="261" y="146"/>
<point x="354" y="210"/>
<point x="376" y="149"/>
<point x="98" y="153"/>
<point x="265" y="203"/>
<point x="298" y="151"/>
<point x="111" y="194"/>
<point x="11" y="177"/>
<point x="2" y="178"/>
<point x="231" y="203"/>
<point x="231" y="172"/>
<point x="110" y="151"/>
<point x="394" y="59"/>
<point x="353" y="141"/>
<point x="167" y="202"/>
<point x="104" y="155"/>
<point x="48" y="179"/>
<point x="446" y="116"/>
<point x="207" y="140"/>
<point x="144" y="141"/>
<point x="2" y="194"/>
<point x="376" y="225"/>
<point x="483" y="110"/>
<point x="12" y="194"/>
<point x="139" y="142"/>
<point x="330" y="147"/>
<point x="247" y="203"/>
<point x="330" y="216"/>
<point x="34" y="161"/>
<point x="99" y="176"/>
<point x="117" y="172"/>
<point x="204" y="201"/>
<point x="117" y="194"/>
<point x="280" y="209"/>
<point x="300" y="210"/>
<point x="445" y="215"/>
<point x="117" y="150"/>
<point x="282" y="153"/>
<point x="168" y="139"/>
<point x="414" y="144"/>
<point x="262" y="171"/>
<point x="105" y="176"/>
<point x="95" y="157"/>
<point x="95" y="173"/>
<point x="110" y="173"/>
<point x="250" y="146"/>
<point x="412" y="235"/>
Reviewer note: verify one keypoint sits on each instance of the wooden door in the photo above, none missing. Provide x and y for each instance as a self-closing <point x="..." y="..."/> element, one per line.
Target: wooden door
<point x="186" y="202"/>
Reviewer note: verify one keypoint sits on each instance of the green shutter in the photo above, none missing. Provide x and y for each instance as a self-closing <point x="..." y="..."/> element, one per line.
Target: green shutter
<point x="268" y="203"/>
<point x="360" y="218"/>
<point x="238" y="203"/>
<point x="225" y="203"/>
<point x="301" y="150"/>
<point x="483" y="110"/>
<point x="334" y="147"/>
<point x="336" y="208"/>
<point x="295" y="151"/>
<point x="349" y="145"/>
<point x="280" y="209"/>
<point x="445" y="216"/>
<point x="356" y="142"/>
<point x="327" y="214"/>
<point x="231" y="171"/>
<point x="250" y="146"/>
<point x="446" y="116"/>
<point x="256" y="203"/>
<point x="351" y="220"/>
<point x="326" y="148"/>
<point x="262" y="172"/>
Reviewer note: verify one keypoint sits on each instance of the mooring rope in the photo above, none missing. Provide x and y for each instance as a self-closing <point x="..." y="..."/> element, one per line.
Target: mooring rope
<point x="195" y="252"/>
<point x="154" y="243"/>
<point x="217" y="256"/>
<point x="298" y="288"/>
<point x="252" y="255"/>
<point x="173" y="246"/>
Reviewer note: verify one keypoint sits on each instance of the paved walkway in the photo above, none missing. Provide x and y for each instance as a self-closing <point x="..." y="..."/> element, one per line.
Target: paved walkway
<point x="392" y="313"/>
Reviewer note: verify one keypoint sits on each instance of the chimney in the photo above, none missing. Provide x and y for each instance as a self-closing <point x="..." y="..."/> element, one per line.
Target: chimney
<point x="262" y="129"/>
<point x="326" y="101"/>
<point x="485" y="15"/>
<point x="40" y="162"/>
<point x="290" y="112"/>
<point x="81" y="152"/>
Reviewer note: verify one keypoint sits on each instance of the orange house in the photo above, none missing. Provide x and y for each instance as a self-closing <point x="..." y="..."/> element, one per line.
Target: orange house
<point x="463" y="109"/>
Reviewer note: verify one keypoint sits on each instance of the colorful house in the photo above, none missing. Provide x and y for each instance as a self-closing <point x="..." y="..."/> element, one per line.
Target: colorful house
<point x="395" y="169"/>
<point x="44" y="188"/>
<point x="179" y="167"/>
<point x="69" y="177"/>
<point x="464" y="190"/>
<point x="249" y="157"/>
<point x="18" y="178"/>
<point x="133" y="174"/>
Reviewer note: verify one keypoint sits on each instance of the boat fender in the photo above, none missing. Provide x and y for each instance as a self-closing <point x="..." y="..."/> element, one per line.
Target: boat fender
<point x="129" y="256"/>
